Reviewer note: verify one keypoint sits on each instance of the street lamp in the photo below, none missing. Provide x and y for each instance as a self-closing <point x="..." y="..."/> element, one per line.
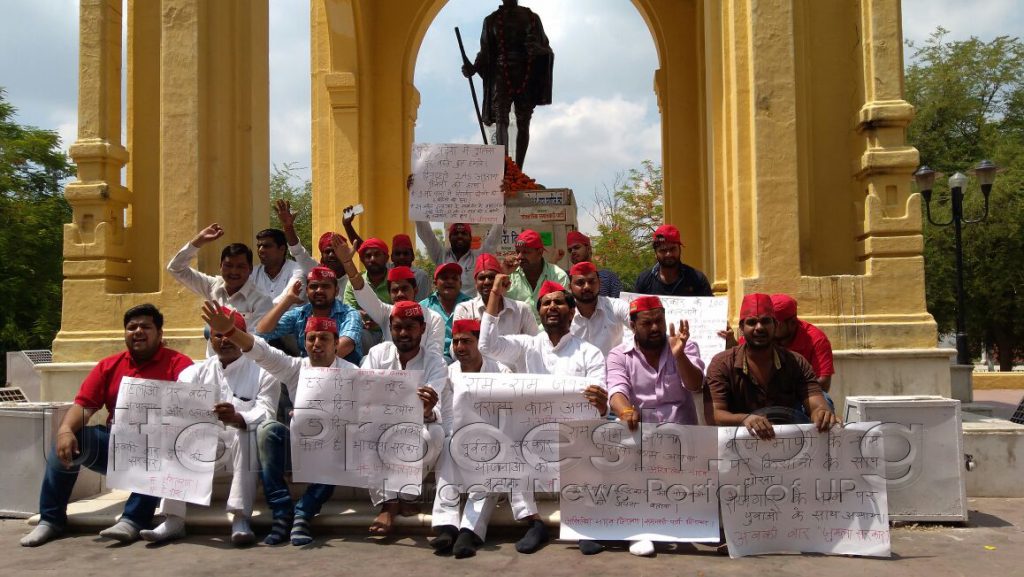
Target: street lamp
<point x="925" y="178"/>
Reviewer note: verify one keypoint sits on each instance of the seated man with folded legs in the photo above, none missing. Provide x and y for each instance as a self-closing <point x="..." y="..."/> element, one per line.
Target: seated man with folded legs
<point x="272" y="437"/>
<point x="248" y="396"/>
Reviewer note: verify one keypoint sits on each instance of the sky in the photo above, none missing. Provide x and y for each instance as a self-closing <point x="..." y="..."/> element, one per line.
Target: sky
<point x="603" y="121"/>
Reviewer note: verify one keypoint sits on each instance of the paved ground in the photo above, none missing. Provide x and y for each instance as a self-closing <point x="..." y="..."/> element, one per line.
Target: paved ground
<point x="1003" y="401"/>
<point x="992" y="544"/>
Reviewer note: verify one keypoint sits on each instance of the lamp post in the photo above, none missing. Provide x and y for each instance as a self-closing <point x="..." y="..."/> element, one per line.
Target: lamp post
<point x="925" y="178"/>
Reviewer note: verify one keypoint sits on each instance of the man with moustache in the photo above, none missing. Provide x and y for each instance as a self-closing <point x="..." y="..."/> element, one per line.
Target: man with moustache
<point x="248" y="396"/>
<point x="446" y="296"/>
<point x="556" y="351"/>
<point x="321" y="342"/>
<point x="373" y="254"/>
<point x="321" y="292"/>
<point x="78" y="444"/>
<point x="759" y="383"/>
<point x="515" y="317"/>
<point x="580" y="250"/>
<point x="533" y="270"/>
<point x="670" y="277"/>
<point x="460" y="251"/>
<point x="276" y="272"/>
<point x="403" y="254"/>
<point x="600" y="321"/>
<point x="299" y="252"/>
<point x="405" y="351"/>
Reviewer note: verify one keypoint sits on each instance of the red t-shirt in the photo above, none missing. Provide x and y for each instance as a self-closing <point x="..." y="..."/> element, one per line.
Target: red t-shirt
<point x="813" y="345"/>
<point x="99" y="389"/>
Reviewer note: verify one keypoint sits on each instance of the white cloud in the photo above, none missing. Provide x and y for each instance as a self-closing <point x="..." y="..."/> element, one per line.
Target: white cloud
<point x="985" y="20"/>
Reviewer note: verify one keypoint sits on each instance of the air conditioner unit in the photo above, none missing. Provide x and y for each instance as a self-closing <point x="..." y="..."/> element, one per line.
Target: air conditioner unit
<point x="924" y="450"/>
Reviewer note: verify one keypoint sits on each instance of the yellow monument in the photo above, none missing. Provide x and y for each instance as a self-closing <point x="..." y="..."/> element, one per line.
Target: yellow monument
<point x="784" y="155"/>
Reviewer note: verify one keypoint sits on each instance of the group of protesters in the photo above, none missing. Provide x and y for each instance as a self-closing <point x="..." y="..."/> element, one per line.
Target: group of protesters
<point x="479" y="313"/>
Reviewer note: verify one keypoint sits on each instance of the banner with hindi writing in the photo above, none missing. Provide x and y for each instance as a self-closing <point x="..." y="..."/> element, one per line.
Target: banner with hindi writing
<point x="163" y="440"/>
<point x="804" y="491"/>
<point x="457" y="183"/>
<point x="657" y="483"/>
<point x="359" y="428"/>
<point x="508" y="428"/>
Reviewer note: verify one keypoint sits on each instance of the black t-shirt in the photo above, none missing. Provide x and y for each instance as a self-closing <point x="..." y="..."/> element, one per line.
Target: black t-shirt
<point x="691" y="283"/>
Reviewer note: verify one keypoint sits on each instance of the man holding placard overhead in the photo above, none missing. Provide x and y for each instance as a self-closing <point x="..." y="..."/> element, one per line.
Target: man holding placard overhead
<point x="77" y="444"/>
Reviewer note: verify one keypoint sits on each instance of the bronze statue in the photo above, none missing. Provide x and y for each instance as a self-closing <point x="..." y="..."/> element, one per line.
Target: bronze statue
<point x="515" y="62"/>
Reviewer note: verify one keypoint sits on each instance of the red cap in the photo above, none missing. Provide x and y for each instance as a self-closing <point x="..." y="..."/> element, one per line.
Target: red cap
<point x="576" y="237"/>
<point x="460" y="226"/>
<point x="486" y="261"/>
<point x="529" y="239"/>
<point x="401" y="273"/>
<point x="756" y="305"/>
<point x="321" y="273"/>
<point x="582" y="268"/>
<point x="466" y="326"/>
<point x="236" y="317"/>
<point x="325" y="240"/>
<point x="447" y="267"/>
<point x="550" y="286"/>
<point x="373" y="243"/>
<point x="645" y="303"/>
<point x="667" y="233"/>
<point x="407" y="310"/>
<point x="321" y="325"/>
<point x="401" y="241"/>
<point x="784" y="306"/>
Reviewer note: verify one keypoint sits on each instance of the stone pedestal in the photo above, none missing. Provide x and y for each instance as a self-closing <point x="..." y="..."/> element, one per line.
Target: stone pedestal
<point x="960" y="383"/>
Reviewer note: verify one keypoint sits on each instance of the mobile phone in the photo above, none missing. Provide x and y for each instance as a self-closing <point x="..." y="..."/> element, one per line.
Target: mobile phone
<point x="357" y="209"/>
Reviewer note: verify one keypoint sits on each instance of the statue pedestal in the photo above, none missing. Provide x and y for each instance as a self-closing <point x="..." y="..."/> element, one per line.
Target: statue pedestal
<point x="890" y="372"/>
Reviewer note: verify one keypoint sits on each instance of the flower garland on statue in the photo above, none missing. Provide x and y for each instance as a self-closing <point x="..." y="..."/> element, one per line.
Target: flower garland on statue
<point x="516" y="180"/>
<point x="504" y="56"/>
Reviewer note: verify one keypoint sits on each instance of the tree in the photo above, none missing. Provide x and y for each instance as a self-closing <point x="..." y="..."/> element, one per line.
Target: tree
<point x="626" y="217"/>
<point x="969" y="97"/>
<point x="32" y="215"/>
<point x="287" y="184"/>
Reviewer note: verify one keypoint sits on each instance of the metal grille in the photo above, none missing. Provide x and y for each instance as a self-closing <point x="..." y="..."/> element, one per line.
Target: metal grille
<point x="39" y="356"/>
<point x="1018" y="415"/>
<point x="12" y="395"/>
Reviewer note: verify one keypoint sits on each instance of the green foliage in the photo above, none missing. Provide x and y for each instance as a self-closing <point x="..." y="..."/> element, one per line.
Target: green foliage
<point x="32" y="216"/>
<point x="626" y="218"/>
<point x="969" y="97"/>
<point x="287" y="184"/>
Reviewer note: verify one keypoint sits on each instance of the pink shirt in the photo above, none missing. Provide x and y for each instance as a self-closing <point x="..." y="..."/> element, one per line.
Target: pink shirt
<point x="658" y="393"/>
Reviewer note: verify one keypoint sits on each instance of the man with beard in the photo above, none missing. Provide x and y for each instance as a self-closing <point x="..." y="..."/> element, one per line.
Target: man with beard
<point x="401" y="285"/>
<point x="670" y="277"/>
<point x="403" y="254"/>
<point x="78" y="444"/>
<point x="514" y="318"/>
<point x="446" y="296"/>
<point x="405" y="352"/>
<point x="460" y="237"/>
<point x="276" y="272"/>
<point x="533" y="269"/>
<point x="580" y="250"/>
<point x="373" y="254"/>
<point x="272" y="437"/>
<point x="760" y="383"/>
<point x="299" y="252"/>
<point x="464" y="541"/>
<point x="248" y="397"/>
<point x="322" y="293"/>
<point x="652" y="379"/>
<point x="600" y="321"/>
<point x="234" y="287"/>
<point x="556" y="351"/>
<point x="803" y="338"/>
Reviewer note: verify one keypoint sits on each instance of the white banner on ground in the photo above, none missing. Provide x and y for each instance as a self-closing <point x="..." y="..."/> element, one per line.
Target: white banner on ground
<point x="457" y="183"/>
<point x="657" y="483"/>
<point x="358" y="428"/>
<point x="804" y="491"/>
<point x="163" y="441"/>
<point x="508" y="428"/>
<point x="706" y="315"/>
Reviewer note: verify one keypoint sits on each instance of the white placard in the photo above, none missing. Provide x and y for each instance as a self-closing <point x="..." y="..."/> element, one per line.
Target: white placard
<point x="457" y="183"/>
<point x="804" y="491"/>
<point x="508" y="428"/>
<point x="706" y="315"/>
<point x="358" y="428"/>
<point x="163" y="441"/>
<point x="657" y="483"/>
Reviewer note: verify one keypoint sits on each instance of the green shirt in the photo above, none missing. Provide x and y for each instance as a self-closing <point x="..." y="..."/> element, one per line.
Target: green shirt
<point x="381" y="290"/>
<point x="522" y="291"/>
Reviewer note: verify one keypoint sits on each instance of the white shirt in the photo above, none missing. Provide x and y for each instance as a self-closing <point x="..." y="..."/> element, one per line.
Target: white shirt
<point x="570" y="357"/>
<point x="252" y="390"/>
<point x="607" y="328"/>
<point x="454" y="375"/>
<point x="441" y="255"/>
<point x="435" y="372"/>
<point x="283" y="367"/>
<point x="277" y="287"/>
<point x="380" y="312"/>
<point x="515" y="317"/>
<point x="249" y="301"/>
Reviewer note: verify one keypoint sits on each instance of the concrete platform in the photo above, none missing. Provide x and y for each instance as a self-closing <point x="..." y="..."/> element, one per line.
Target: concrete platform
<point x="997" y="446"/>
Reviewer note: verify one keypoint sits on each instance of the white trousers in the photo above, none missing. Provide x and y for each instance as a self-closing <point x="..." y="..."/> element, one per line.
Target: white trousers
<point x="238" y="459"/>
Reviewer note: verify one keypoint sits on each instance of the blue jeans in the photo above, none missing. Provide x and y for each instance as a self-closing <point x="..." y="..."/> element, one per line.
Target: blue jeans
<point x="273" y="439"/>
<point x="59" y="481"/>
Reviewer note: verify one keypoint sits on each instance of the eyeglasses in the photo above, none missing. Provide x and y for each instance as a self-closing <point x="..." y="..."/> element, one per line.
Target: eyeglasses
<point x="754" y="321"/>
